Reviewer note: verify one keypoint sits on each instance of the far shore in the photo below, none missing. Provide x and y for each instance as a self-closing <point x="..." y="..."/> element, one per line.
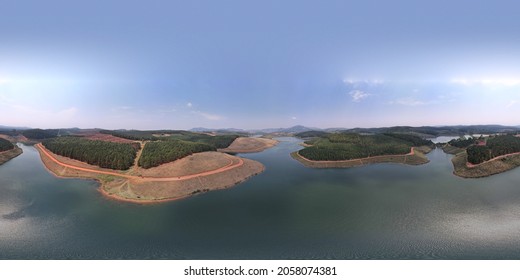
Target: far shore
<point x="415" y="157"/>
<point x="123" y="186"/>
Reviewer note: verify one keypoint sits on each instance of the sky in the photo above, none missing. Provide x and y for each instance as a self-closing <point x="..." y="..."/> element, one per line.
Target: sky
<point x="258" y="64"/>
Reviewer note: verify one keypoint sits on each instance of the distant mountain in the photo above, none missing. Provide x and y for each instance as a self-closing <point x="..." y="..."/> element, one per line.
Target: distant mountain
<point x="333" y="129"/>
<point x="204" y="129"/>
<point x="426" y="131"/>
<point x="294" y="129"/>
<point x="4" y="127"/>
<point x="289" y="130"/>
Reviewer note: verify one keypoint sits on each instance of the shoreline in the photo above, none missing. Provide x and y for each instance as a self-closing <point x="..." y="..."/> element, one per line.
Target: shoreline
<point x="8" y="155"/>
<point x="416" y="156"/>
<point x="462" y="168"/>
<point x="147" y="190"/>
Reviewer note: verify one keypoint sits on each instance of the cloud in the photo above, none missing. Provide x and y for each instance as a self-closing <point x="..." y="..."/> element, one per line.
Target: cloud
<point x="121" y="108"/>
<point x="357" y="82"/>
<point x="512" y="103"/>
<point x="293" y="118"/>
<point x="189" y="105"/>
<point x="208" y="116"/>
<point x="67" y="113"/>
<point x="507" y="82"/>
<point x="168" y="110"/>
<point x="409" y="101"/>
<point x="358" y="95"/>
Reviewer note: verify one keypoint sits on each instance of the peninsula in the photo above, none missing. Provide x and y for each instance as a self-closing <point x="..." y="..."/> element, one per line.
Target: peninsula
<point x="340" y="150"/>
<point x="8" y="150"/>
<point x="484" y="156"/>
<point x="148" y="166"/>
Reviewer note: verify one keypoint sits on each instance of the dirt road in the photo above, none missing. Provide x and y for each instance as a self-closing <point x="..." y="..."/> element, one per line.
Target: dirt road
<point x="230" y="166"/>
<point x="471" y="165"/>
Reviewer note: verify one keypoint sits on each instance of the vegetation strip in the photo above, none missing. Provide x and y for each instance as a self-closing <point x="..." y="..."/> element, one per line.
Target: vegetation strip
<point x="353" y="146"/>
<point x="104" y="154"/>
<point x="231" y="165"/>
<point x="411" y="153"/>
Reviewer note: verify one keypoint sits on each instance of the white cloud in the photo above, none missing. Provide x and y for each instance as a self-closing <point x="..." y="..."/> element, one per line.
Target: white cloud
<point x="513" y="103"/>
<point x="358" y="82"/>
<point x="293" y="118"/>
<point x="409" y="101"/>
<point x="168" y="110"/>
<point x="189" y="105"/>
<point x="121" y="108"/>
<point x="67" y="113"/>
<point x="208" y="116"/>
<point x="487" y="81"/>
<point x="358" y="95"/>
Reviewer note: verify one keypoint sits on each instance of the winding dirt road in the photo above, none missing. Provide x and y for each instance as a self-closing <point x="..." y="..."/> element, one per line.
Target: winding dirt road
<point x="230" y="166"/>
<point x="471" y="165"/>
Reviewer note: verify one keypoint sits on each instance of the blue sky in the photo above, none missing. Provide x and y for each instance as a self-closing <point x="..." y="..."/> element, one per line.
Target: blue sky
<point x="257" y="64"/>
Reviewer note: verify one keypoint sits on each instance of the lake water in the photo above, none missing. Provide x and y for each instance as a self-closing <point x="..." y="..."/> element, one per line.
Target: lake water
<point x="383" y="211"/>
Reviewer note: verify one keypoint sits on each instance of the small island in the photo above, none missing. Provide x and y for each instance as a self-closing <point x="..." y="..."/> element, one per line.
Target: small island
<point x="340" y="150"/>
<point x="8" y="150"/>
<point x="148" y="166"/>
<point x="484" y="156"/>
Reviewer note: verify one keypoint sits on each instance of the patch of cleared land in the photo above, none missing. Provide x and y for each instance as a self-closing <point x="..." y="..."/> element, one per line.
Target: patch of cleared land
<point x="415" y="157"/>
<point x="249" y="145"/>
<point x="107" y="138"/>
<point x="191" y="175"/>
<point x="10" y="154"/>
<point x="491" y="167"/>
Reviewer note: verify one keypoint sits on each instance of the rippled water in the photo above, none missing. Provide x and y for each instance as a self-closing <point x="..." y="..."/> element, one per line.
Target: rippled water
<point x="383" y="211"/>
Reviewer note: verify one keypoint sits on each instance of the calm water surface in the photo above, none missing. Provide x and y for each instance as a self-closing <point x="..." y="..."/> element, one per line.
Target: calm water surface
<point x="383" y="211"/>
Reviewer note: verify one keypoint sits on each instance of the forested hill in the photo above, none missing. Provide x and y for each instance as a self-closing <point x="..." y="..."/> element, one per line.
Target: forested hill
<point x="494" y="147"/>
<point x="111" y="155"/>
<point x="216" y="141"/>
<point x="346" y="146"/>
<point x="39" y="134"/>
<point x="5" y="145"/>
<point x="162" y="146"/>
<point x="164" y="151"/>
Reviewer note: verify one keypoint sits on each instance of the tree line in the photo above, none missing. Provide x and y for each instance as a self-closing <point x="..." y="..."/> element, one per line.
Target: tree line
<point x="462" y="142"/>
<point x="5" y="145"/>
<point x="345" y="146"/>
<point x="40" y="133"/>
<point x="495" y="146"/>
<point x="164" y="151"/>
<point x="104" y="154"/>
<point x="217" y="141"/>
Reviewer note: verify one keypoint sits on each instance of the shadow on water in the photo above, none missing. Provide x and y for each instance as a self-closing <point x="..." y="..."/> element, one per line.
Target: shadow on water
<point x="382" y="211"/>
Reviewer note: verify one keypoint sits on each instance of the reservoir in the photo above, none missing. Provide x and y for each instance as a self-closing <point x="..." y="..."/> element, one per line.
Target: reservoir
<point x="382" y="211"/>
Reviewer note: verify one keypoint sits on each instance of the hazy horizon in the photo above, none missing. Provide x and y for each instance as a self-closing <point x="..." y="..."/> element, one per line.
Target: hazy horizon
<point x="258" y="64"/>
<point x="249" y="129"/>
